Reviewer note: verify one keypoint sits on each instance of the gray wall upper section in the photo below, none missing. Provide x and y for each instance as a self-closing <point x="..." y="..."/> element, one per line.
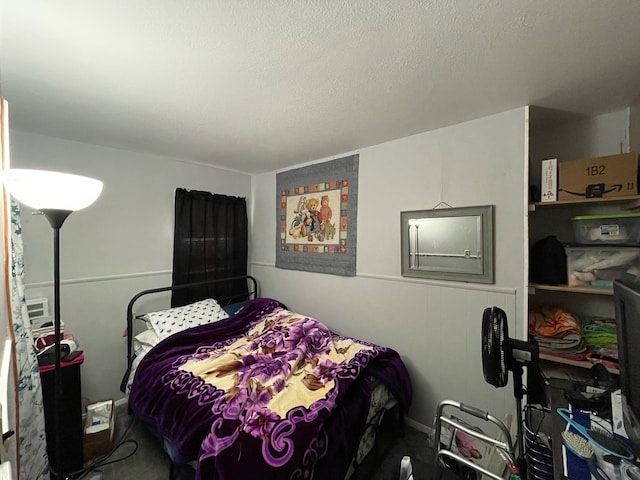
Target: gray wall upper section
<point x="113" y="249"/>
<point x="475" y="163"/>
<point x="129" y="229"/>
<point x="435" y="326"/>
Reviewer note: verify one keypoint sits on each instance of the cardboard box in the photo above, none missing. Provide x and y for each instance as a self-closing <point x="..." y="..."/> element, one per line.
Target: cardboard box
<point x="99" y="429"/>
<point x="607" y="176"/>
<point x="549" y="180"/>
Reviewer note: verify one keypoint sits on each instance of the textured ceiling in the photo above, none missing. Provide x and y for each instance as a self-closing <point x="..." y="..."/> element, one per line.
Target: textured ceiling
<point x="259" y="85"/>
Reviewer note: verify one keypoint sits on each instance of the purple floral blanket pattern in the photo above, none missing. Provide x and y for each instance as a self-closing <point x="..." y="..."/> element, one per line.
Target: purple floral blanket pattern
<point x="268" y="393"/>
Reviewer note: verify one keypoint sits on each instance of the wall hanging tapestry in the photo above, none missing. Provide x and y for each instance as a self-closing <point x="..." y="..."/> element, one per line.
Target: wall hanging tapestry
<point x="316" y="214"/>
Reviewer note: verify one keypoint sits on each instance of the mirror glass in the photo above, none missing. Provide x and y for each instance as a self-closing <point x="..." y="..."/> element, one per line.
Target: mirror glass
<point x="448" y="243"/>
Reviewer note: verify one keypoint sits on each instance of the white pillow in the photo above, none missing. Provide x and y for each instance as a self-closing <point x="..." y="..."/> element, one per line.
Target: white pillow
<point x="145" y="341"/>
<point x="168" y="322"/>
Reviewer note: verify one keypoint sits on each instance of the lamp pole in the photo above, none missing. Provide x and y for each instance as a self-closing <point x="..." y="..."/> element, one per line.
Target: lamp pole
<point x="56" y="218"/>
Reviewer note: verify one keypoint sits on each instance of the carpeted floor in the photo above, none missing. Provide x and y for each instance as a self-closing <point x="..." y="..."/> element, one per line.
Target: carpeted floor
<point x="149" y="462"/>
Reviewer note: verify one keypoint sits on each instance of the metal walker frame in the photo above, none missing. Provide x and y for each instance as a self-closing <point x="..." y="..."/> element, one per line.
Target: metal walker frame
<point x="504" y="447"/>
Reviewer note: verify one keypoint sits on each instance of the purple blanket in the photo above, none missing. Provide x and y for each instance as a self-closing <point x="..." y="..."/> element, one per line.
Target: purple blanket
<point x="267" y="393"/>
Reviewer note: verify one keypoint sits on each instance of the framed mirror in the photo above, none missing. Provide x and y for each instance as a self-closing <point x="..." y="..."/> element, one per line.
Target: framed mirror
<point x="448" y="244"/>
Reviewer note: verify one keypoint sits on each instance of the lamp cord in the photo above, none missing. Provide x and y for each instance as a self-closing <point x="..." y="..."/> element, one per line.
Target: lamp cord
<point x="103" y="461"/>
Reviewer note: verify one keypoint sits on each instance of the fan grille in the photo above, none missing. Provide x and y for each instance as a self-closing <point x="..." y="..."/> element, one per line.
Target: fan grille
<point x="494" y="343"/>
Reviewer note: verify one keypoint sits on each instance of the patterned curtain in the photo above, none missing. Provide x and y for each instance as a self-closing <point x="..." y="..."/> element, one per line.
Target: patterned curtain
<point x="31" y="446"/>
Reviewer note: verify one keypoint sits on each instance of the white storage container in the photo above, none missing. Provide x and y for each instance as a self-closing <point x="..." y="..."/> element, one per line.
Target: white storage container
<point x="620" y="229"/>
<point x="598" y="267"/>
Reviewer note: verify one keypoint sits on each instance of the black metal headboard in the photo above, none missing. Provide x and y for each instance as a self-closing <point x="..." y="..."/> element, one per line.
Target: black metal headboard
<point x="252" y="293"/>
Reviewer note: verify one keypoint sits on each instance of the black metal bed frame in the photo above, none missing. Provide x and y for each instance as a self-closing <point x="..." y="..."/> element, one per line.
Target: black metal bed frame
<point x="392" y="426"/>
<point x="252" y="293"/>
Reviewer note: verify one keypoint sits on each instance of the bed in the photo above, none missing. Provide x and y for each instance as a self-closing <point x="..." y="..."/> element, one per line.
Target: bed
<point x="250" y="389"/>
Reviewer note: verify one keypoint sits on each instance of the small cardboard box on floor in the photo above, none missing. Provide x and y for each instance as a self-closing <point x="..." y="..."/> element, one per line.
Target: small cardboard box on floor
<point x="598" y="177"/>
<point x="99" y="427"/>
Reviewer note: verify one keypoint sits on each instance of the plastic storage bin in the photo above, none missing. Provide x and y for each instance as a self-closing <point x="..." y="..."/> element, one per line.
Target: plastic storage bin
<point x="620" y="229"/>
<point x="598" y="267"/>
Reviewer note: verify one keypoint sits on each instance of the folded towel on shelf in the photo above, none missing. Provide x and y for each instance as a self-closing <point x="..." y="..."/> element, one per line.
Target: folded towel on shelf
<point x="550" y="321"/>
<point x="600" y="333"/>
<point x="569" y="345"/>
<point x="556" y="330"/>
<point x="601" y="339"/>
<point x="598" y="325"/>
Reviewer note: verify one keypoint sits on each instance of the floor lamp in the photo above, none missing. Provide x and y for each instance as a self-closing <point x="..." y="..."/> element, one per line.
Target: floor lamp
<point x="56" y="195"/>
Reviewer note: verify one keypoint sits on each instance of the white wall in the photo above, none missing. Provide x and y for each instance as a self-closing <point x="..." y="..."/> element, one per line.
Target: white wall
<point x="435" y="326"/>
<point x="116" y="247"/>
<point x="554" y="135"/>
<point x="634" y="126"/>
<point x="123" y="244"/>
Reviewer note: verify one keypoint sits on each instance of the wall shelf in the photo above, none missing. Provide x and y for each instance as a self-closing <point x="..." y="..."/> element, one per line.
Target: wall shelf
<point x="627" y="203"/>
<point x="575" y="362"/>
<point x="634" y="202"/>
<point x="568" y="289"/>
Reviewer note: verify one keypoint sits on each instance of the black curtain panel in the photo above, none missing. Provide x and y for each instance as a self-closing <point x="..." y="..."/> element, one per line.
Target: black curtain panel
<point x="210" y="242"/>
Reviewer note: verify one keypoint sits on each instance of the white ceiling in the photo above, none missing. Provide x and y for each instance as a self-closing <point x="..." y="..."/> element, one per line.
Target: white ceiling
<point x="259" y="85"/>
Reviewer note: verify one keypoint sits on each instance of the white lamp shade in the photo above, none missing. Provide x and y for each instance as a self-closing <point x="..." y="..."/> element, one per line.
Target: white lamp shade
<point x="42" y="190"/>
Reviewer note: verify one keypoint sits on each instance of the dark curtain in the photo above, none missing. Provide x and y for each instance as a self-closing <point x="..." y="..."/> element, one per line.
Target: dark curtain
<point x="210" y="242"/>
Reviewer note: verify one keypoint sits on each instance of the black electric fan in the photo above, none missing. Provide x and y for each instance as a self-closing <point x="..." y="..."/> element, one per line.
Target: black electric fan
<point x="501" y="354"/>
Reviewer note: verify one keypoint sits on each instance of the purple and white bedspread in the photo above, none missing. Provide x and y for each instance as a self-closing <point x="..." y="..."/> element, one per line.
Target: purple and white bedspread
<point x="267" y="393"/>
